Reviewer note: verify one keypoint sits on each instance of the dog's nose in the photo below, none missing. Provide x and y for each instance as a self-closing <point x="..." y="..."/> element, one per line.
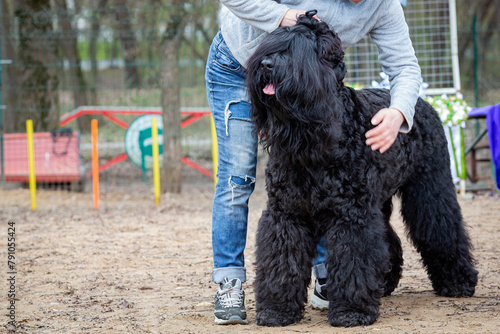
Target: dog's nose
<point x="266" y="65"/>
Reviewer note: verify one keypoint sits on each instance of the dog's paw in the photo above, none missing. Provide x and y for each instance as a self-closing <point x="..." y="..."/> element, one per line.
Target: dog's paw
<point x="391" y="281"/>
<point x="466" y="290"/>
<point x="463" y="286"/>
<point x="272" y="318"/>
<point x="351" y="319"/>
<point x="390" y="287"/>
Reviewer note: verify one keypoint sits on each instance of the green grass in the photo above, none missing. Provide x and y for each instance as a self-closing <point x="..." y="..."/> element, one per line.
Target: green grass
<point x="103" y="50"/>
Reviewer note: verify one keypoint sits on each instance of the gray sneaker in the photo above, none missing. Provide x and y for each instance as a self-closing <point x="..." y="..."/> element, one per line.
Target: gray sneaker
<point x="319" y="299"/>
<point x="230" y="303"/>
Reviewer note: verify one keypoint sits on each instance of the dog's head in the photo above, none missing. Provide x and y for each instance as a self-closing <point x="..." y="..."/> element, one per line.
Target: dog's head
<point x="295" y="68"/>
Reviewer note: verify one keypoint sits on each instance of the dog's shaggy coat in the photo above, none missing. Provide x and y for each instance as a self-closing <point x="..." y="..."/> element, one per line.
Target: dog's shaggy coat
<point x="323" y="180"/>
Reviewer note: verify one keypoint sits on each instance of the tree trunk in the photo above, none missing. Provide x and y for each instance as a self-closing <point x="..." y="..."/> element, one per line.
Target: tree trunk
<point x="171" y="177"/>
<point x="94" y="34"/>
<point x="488" y="15"/>
<point x="68" y="40"/>
<point x="38" y="82"/>
<point x="129" y="44"/>
<point x="152" y="48"/>
<point x="9" y="72"/>
<point x="171" y="173"/>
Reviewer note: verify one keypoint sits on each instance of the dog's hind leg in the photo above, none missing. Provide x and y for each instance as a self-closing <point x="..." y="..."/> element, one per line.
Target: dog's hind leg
<point x="358" y="260"/>
<point x="435" y="225"/>
<point x="393" y="276"/>
<point x="285" y="249"/>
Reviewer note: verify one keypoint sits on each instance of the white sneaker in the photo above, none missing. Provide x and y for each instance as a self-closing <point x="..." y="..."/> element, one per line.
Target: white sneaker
<point x="319" y="300"/>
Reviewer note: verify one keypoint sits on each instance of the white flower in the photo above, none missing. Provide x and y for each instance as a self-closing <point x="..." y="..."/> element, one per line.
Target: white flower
<point x="423" y="87"/>
<point x="382" y="84"/>
<point x="452" y="110"/>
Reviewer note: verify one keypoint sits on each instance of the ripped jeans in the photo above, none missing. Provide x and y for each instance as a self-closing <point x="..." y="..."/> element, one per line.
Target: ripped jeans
<point x="237" y="147"/>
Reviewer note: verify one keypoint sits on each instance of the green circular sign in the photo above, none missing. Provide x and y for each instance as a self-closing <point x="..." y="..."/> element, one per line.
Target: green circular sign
<point x="139" y="141"/>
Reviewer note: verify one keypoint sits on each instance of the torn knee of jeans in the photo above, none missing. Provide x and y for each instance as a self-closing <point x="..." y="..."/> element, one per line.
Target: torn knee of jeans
<point x="239" y="109"/>
<point x="241" y="182"/>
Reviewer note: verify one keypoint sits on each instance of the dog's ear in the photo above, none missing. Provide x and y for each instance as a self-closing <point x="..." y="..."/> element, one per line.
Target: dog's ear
<point x="340" y="71"/>
<point x="330" y="51"/>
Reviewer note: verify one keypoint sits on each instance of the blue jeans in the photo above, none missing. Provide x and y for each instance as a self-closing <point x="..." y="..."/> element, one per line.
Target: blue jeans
<point x="237" y="160"/>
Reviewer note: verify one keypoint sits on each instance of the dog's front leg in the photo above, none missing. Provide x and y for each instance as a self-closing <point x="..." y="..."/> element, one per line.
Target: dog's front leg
<point x="357" y="262"/>
<point x="285" y="248"/>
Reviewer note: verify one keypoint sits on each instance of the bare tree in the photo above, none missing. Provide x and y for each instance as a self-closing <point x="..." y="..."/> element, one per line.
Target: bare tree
<point x="94" y="33"/>
<point x="37" y="96"/>
<point x="205" y="23"/>
<point x="172" y="155"/>
<point x="68" y="39"/>
<point x="150" y="20"/>
<point x="181" y="14"/>
<point x="128" y="41"/>
<point x="9" y="73"/>
<point x="487" y="13"/>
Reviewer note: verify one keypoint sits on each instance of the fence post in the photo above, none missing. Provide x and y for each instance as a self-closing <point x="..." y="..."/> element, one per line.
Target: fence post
<point x="31" y="162"/>
<point x="474" y="61"/>
<point x="156" y="161"/>
<point x="95" y="164"/>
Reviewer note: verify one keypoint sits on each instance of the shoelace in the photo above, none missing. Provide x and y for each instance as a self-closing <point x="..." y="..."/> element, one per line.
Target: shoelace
<point x="319" y="288"/>
<point x="231" y="296"/>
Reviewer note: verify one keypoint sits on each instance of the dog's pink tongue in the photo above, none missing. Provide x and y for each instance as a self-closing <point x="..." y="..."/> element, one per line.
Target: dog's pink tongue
<point x="269" y="89"/>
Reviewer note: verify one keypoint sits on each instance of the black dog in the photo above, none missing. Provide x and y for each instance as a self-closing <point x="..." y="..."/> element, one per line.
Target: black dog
<point x="323" y="180"/>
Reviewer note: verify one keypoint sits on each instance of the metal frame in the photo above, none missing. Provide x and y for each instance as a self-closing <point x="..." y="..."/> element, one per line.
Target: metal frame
<point x="362" y="58"/>
<point x="191" y="115"/>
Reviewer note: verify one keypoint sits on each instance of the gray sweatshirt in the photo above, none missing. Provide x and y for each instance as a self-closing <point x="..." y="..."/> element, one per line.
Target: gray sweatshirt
<point x="244" y="23"/>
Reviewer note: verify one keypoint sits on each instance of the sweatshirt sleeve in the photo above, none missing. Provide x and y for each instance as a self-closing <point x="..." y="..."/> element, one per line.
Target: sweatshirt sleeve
<point x="265" y="15"/>
<point x="398" y="60"/>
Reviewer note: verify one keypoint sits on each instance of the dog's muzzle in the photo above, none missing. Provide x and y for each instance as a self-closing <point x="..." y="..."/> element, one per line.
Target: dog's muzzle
<point x="266" y="65"/>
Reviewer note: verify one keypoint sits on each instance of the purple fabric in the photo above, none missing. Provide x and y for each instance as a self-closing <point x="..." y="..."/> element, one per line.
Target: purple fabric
<point x="483" y="111"/>
<point x="493" y="126"/>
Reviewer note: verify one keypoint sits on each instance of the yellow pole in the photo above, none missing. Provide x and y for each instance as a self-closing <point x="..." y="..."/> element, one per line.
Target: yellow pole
<point x="31" y="163"/>
<point x="156" y="161"/>
<point x="215" y="150"/>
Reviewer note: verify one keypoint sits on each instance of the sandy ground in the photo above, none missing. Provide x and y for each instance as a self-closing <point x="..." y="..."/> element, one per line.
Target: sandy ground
<point x="131" y="267"/>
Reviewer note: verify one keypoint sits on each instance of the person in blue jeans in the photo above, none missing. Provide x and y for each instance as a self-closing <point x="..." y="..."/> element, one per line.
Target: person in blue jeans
<point x="243" y="25"/>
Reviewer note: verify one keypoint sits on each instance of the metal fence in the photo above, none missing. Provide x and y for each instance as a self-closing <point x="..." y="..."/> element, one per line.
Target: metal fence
<point x="432" y="27"/>
<point x="63" y="66"/>
<point x="67" y="65"/>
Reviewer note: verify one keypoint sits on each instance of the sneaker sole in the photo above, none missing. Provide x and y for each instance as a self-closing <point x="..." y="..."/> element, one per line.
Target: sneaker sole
<point x="234" y="320"/>
<point x="318" y="303"/>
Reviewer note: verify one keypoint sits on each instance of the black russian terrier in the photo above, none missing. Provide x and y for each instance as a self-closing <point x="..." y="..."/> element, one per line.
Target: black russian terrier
<point x="323" y="180"/>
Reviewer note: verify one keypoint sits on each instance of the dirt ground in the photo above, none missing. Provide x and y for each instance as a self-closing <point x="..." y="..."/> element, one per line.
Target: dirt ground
<point x="132" y="267"/>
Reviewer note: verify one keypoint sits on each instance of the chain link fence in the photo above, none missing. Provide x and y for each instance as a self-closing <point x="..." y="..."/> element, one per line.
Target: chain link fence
<point x="432" y="28"/>
<point x="69" y="65"/>
<point x="63" y="65"/>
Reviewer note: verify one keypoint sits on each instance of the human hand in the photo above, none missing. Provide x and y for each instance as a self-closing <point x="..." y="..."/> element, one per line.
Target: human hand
<point x="387" y="123"/>
<point x="290" y="18"/>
